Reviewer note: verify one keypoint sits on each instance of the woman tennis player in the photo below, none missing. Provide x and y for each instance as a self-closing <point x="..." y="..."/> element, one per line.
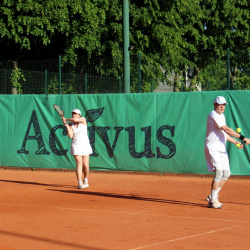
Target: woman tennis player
<point x="80" y="146"/>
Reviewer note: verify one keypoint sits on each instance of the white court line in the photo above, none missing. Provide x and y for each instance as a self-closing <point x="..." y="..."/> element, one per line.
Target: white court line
<point x="183" y="238"/>
<point x="114" y="212"/>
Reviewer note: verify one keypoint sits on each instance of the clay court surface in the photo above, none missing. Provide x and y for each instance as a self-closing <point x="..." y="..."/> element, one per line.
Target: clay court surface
<point x="45" y="210"/>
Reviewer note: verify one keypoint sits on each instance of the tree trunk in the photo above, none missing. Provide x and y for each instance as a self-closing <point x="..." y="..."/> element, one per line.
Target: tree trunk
<point x="177" y="82"/>
<point x="14" y="91"/>
<point x="233" y="78"/>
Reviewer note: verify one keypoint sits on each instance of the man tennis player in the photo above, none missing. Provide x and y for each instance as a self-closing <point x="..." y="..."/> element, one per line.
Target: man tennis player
<point x="218" y="133"/>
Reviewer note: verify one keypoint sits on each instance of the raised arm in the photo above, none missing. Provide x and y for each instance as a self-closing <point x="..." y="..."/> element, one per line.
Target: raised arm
<point x="68" y="127"/>
<point x="235" y="142"/>
<point x="77" y="119"/>
<point x="232" y="133"/>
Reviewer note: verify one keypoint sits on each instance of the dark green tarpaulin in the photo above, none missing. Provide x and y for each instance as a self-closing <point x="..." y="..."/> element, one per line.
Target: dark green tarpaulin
<point x="154" y="132"/>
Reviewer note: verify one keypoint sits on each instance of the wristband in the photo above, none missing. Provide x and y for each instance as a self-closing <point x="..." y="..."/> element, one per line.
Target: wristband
<point x="242" y="137"/>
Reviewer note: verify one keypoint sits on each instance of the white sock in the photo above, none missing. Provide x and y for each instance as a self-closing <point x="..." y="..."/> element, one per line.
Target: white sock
<point x="86" y="180"/>
<point x="214" y="194"/>
<point x="218" y="191"/>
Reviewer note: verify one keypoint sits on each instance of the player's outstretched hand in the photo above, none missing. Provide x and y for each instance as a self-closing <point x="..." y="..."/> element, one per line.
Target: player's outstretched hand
<point x="238" y="145"/>
<point x="247" y="141"/>
<point x="64" y="120"/>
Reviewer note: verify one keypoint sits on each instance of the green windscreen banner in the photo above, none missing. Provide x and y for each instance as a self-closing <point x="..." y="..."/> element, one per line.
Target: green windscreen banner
<point x="154" y="132"/>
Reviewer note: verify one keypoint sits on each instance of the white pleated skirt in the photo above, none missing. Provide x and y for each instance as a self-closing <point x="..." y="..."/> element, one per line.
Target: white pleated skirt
<point x="82" y="149"/>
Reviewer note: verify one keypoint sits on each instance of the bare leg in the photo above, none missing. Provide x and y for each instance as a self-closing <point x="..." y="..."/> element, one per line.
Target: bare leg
<point x="222" y="182"/>
<point x="78" y="167"/>
<point x="85" y="162"/>
<point x="216" y="184"/>
<point x="216" y="187"/>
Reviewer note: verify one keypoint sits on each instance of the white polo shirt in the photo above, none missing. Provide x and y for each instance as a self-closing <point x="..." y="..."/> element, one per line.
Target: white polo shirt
<point x="216" y="137"/>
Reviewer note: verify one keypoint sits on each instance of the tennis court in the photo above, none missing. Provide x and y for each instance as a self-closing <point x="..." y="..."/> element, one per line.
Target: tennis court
<point x="45" y="210"/>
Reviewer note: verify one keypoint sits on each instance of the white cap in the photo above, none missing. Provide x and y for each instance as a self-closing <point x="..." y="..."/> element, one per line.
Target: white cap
<point x="220" y="100"/>
<point x="77" y="111"/>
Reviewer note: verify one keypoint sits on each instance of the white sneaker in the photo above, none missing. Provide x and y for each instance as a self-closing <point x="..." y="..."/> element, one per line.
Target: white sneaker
<point x="81" y="185"/>
<point x="86" y="183"/>
<point x="217" y="199"/>
<point x="214" y="204"/>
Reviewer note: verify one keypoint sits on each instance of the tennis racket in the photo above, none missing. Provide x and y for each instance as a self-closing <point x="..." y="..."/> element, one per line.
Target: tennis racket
<point x="58" y="110"/>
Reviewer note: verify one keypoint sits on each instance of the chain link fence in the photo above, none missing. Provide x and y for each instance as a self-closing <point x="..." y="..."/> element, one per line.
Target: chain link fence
<point x="95" y="76"/>
<point x="53" y="77"/>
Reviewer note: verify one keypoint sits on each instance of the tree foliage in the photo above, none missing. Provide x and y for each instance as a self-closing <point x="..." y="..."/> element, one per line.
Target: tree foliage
<point x="67" y="25"/>
<point x="169" y="34"/>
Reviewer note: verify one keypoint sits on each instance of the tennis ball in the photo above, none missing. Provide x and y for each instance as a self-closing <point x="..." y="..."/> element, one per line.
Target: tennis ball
<point x="238" y="145"/>
<point x="238" y="130"/>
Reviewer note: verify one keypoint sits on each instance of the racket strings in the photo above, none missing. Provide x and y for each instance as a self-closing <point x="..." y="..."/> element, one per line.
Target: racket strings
<point x="58" y="109"/>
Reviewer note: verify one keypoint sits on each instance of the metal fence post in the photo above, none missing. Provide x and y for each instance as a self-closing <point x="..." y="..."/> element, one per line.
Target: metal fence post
<point x="120" y="84"/>
<point x="139" y="72"/>
<point x="228" y="69"/>
<point x="126" y="55"/>
<point x="46" y="81"/>
<point x="152" y="85"/>
<point x="60" y="74"/>
<point x="86" y="82"/>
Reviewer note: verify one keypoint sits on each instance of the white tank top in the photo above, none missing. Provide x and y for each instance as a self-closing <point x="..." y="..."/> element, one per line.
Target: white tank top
<point x="80" y="134"/>
<point x="80" y="141"/>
